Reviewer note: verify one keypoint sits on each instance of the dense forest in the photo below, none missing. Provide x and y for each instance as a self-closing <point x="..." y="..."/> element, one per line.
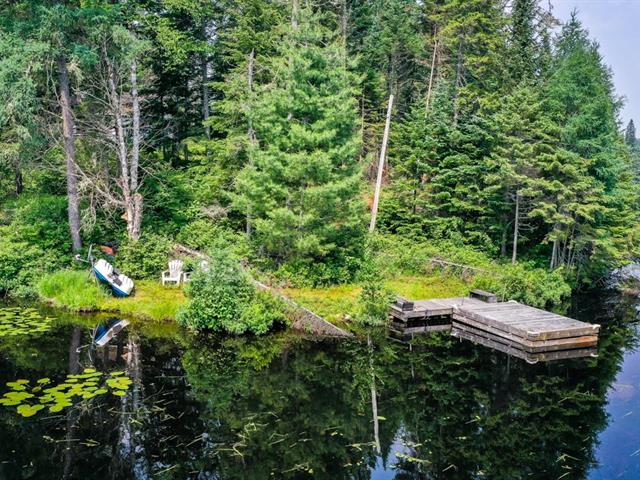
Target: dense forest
<point x="259" y="123"/>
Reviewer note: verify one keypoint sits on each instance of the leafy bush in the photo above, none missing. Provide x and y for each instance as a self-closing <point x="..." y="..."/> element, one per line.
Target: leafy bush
<point x="21" y="264"/>
<point x="72" y="289"/>
<point x="375" y="298"/>
<point x="223" y="298"/>
<point x="40" y="221"/>
<point x="534" y="286"/>
<point x="144" y="258"/>
<point x="205" y="235"/>
<point x="306" y="273"/>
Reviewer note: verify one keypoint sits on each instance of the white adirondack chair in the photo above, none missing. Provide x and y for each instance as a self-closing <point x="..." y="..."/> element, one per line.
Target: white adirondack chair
<point x="174" y="274"/>
<point x="204" y="266"/>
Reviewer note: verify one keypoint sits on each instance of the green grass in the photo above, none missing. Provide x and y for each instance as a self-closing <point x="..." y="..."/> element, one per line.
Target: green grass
<point x="71" y="289"/>
<point x="78" y="291"/>
<point x="150" y="300"/>
<point x="334" y="303"/>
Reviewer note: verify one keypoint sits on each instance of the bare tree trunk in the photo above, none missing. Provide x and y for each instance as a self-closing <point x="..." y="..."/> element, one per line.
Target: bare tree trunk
<point x="374" y="400"/>
<point x="18" y="181"/>
<point x="74" y="413"/>
<point x="516" y="227"/>
<point x="295" y="13"/>
<point x="458" y="81"/>
<point x="383" y="152"/>
<point x="135" y="223"/>
<point x="204" y="66"/>
<point x="250" y="132"/>
<point x="135" y="141"/>
<point x="344" y="23"/>
<point x="68" y="132"/>
<point x="433" y="69"/>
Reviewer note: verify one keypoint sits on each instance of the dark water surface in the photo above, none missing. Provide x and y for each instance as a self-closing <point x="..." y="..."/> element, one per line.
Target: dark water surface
<point x="285" y="407"/>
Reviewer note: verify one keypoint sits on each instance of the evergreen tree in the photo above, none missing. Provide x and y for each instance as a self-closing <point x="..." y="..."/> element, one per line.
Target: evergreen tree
<point x="630" y="135"/>
<point x="301" y="188"/>
<point x="590" y="175"/>
<point x="522" y="44"/>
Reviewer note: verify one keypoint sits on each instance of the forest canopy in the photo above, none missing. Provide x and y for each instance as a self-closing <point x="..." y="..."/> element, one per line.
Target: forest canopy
<point x="258" y="124"/>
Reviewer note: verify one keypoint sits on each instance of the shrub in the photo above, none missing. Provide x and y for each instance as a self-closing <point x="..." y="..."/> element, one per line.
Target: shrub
<point x="72" y="288"/>
<point x="204" y="235"/>
<point x="223" y="298"/>
<point x="534" y="286"/>
<point x="144" y="258"/>
<point x="21" y="264"/>
<point x="41" y="221"/>
<point x="375" y="298"/>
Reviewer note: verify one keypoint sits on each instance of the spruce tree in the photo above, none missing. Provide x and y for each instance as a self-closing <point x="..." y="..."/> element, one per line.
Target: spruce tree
<point x="630" y="135"/>
<point x="301" y="187"/>
<point x="588" y="196"/>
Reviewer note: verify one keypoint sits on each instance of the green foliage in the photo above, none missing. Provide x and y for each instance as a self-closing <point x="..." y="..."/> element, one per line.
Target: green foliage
<point x="301" y="189"/>
<point x="205" y="235"/>
<point x="144" y="258"/>
<point x="21" y="265"/>
<point x="375" y="298"/>
<point x="73" y="289"/>
<point x="532" y="286"/>
<point x="258" y="317"/>
<point x="223" y="298"/>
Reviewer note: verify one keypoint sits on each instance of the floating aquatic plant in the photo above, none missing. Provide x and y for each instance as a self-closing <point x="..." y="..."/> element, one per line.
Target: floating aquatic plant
<point x="22" y="321"/>
<point x="29" y="398"/>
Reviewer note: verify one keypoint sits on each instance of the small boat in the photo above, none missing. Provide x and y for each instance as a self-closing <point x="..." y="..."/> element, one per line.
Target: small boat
<point x="120" y="284"/>
<point x="104" y="332"/>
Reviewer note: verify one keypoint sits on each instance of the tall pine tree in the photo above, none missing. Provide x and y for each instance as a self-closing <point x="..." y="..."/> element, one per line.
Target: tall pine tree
<point x="301" y="189"/>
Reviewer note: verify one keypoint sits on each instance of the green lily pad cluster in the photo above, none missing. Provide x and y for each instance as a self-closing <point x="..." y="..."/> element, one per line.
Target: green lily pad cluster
<point x="29" y="398"/>
<point x="22" y="321"/>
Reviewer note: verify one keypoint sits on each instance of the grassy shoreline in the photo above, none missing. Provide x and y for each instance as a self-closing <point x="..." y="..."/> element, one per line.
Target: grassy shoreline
<point x="76" y="291"/>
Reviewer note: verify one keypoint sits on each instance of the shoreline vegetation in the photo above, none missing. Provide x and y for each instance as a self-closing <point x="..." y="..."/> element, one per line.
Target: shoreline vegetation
<point x="493" y="134"/>
<point x="404" y="268"/>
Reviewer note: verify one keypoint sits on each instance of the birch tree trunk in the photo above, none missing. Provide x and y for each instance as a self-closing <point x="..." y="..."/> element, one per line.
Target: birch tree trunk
<point x="433" y="69"/>
<point x="516" y="227"/>
<point x="135" y="223"/>
<point x="458" y="83"/>
<point x="68" y="133"/>
<point x="250" y="131"/>
<point x="204" y="67"/>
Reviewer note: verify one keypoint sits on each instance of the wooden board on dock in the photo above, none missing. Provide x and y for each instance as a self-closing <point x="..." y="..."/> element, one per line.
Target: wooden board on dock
<point x="513" y="350"/>
<point x="529" y="330"/>
<point x="521" y="321"/>
<point x="439" y="307"/>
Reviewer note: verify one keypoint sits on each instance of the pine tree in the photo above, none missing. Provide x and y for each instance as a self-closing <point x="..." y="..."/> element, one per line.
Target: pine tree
<point x="630" y="135"/>
<point x="522" y="42"/>
<point x="302" y="185"/>
<point x="588" y="175"/>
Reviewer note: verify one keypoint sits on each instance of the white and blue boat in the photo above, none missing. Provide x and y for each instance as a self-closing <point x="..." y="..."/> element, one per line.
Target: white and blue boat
<point x="119" y="283"/>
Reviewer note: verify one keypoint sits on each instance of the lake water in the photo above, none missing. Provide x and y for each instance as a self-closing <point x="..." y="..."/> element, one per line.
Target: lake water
<point x="284" y="407"/>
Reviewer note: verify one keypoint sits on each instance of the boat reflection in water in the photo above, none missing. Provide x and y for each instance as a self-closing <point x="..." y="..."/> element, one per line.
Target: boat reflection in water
<point x="107" y="347"/>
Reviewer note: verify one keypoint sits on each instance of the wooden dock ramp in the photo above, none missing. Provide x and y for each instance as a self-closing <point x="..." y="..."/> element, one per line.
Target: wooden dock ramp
<point x="511" y="325"/>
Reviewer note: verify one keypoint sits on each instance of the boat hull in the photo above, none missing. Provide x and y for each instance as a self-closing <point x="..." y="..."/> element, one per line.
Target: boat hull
<point x="104" y="273"/>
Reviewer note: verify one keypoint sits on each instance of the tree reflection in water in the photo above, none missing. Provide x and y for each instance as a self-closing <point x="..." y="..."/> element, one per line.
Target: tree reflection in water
<point x="285" y="407"/>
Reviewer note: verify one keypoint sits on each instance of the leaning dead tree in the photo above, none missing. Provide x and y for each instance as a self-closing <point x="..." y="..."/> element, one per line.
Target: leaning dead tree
<point x="113" y="128"/>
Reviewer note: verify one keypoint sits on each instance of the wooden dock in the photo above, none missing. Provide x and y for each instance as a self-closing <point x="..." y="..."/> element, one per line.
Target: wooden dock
<point x="534" y="333"/>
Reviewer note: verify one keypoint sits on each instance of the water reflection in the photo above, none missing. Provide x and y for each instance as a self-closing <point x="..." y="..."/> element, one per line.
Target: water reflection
<point x="241" y="408"/>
